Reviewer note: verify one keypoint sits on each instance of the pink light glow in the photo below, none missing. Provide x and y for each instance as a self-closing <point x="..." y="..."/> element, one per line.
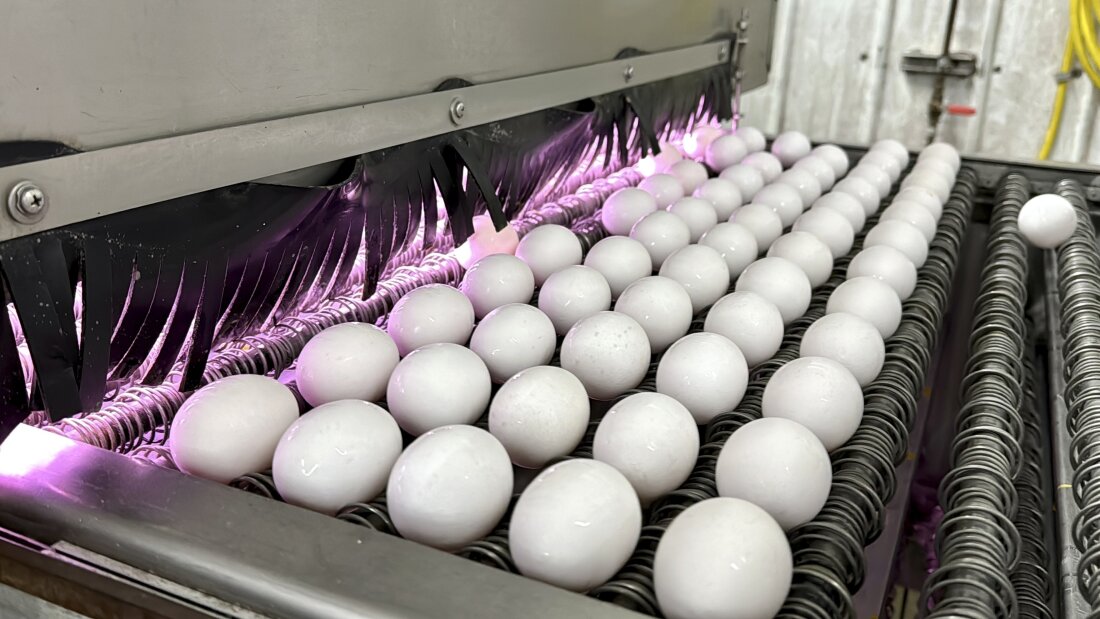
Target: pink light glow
<point x="690" y="145"/>
<point x="28" y="450"/>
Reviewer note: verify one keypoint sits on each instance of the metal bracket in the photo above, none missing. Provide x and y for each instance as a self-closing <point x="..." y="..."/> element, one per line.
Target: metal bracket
<point x="955" y="64"/>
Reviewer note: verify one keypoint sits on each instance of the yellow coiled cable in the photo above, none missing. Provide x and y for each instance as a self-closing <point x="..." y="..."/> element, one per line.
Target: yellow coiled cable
<point x="1082" y="47"/>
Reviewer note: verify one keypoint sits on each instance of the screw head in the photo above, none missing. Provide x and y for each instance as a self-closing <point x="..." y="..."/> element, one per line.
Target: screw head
<point x="27" y="203"/>
<point x="458" y="110"/>
<point x="722" y="54"/>
<point x="628" y="73"/>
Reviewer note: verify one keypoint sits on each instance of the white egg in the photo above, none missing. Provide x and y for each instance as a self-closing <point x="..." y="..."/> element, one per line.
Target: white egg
<point x="834" y="156"/>
<point x="808" y="187"/>
<point x="735" y="243"/>
<point x="575" y="525"/>
<point x="706" y="372"/>
<point x="883" y="161"/>
<point x="940" y="167"/>
<point x="573" y="293"/>
<point x="748" y="179"/>
<point x="662" y="234"/>
<point x="660" y="162"/>
<point x="661" y="306"/>
<point x="352" y="360"/>
<point x="895" y="149"/>
<point x="429" y="315"/>
<point x="652" y="440"/>
<point x="790" y="146"/>
<point x="540" y="414"/>
<point x="902" y="236"/>
<point x="609" y="352"/>
<point x="231" y="427"/>
<point x="874" y="175"/>
<point x="847" y="205"/>
<point x="871" y="299"/>
<point x="335" y="455"/>
<point x="702" y="272"/>
<point x="512" y="338"/>
<point x="724" y="558"/>
<point x="752" y="137"/>
<point x="438" y="385"/>
<point x="450" y="487"/>
<point x="850" y="341"/>
<point x="696" y="143"/>
<point x="807" y="252"/>
<point x="819" y="168"/>
<point x="861" y="190"/>
<point x="768" y="165"/>
<point x="922" y="196"/>
<point x="762" y="221"/>
<point x="724" y="195"/>
<point x="830" y="227"/>
<point x="944" y="151"/>
<point x="781" y="282"/>
<point x="486" y="241"/>
<point x="691" y="174"/>
<point x="549" y="248"/>
<point x="913" y="214"/>
<point x="725" y="151"/>
<point x="783" y="199"/>
<point x="930" y="180"/>
<point x="1047" y="221"/>
<point x="818" y="393"/>
<point x="665" y="188"/>
<point x="697" y="213"/>
<point x="497" y="280"/>
<point x="777" y="465"/>
<point x="621" y="261"/>
<point x="751" y="322"/>
<point x="887" y="264"/>
<point x="624" y="208"/>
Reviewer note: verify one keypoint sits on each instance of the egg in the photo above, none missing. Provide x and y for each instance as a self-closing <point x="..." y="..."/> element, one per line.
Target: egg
<point x="941" y="150"/>
<point x="777" y="465"/>
<point x="652" y="440"/>
<point x="790" y="146"/>
<point x="913" y="214"/>
<point x="497" y="280"/>
<point x="691" y="174"/>
<point x="662" y="234"/>
<point x="661" y="306"/>
<point x="735" y="243"/>
<point x="725" y="151"/>
<point x="1047" y="220"/>
<point x="808" y="187"/>
<point x="752" y="137"/>
<point x="748" y="179"/>
<point x="902" y="236"/>
<point x="486" y="241"/>
<point x="768" y="165"/>
<point x="878" y="179"/>
<point x="620" y="260"/>
<point x="922" y="196"/>
<point x="930" y="180"/>
<point x="850" y="341"/>
<point x="751" y="322"/>
<point x="540" y="414"/>
<point x="702" y="272"/>
<point x="822" y="172"/>
<point x="724" y="195"/>
<point x="575" y="525"/>
<point x="781" y="282"/>
<point x="722" y="557"/>
<point x="512" y="338"/>
<point x="834" y="156"/>
<point x="861" y="190"/>
<point x="336" y="454"/>
<point x="573" y="293"/>
<point x="450" y="487"/>
<point x="665" y="188"/>
<point x="818" y="393"/>
<point x="940" y="167"/>
<point x="807" y="252"/>
<point x="352" y="360"/>
<point x="659" y="163"/>
<point x="871" y="299"/>
<point x="830" y="227"/>
<point x="887" y="264"/>
<point x="696" y="143"/>
<point x="697" y="213"/>
<point x="624" y="208"/>
<point x="883" y="161"/>
<point x="609" y="352"/>
<point x="783" y="199"/>
<point x="429" y="315"/>
<point x="231" y="427"/>
<point x="438" y="385"/>
<point x="706" y="372"/>
<point x="895" y="149"/>
<point x="845" y="204"/>
<point x="548" y="249"/>
<point x="762" y="221"/>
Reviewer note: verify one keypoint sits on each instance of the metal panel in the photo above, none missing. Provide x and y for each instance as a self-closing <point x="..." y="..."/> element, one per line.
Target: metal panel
<point x="762" y="107"/>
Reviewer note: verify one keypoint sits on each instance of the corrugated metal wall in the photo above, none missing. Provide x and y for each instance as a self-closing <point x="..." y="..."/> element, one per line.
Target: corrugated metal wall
<point x="836" y="75"/>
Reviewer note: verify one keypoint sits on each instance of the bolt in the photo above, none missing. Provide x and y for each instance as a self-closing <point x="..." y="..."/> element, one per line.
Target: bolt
<point x="722" y="54"/>
<point x="628" y="73"/>
<point x="27" y="203"/>
<point x="31" y="200"/>
<point x="458" y="110"/>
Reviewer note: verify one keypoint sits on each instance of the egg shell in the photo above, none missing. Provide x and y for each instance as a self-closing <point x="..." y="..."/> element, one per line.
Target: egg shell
<point x="665" y="188"/>
<point x="943" y="151"/>
<point x="850" y="341"/>
<point x="652" y="440"/>
<point x="847" y="205"/>
<point x="660" y="162"/>
<point x="751" y="322"/>
<point x="874" y="175"/>
<point x="697" y="142"/>
<point x="702" y="272"/>
<point x="883" y="161"/>
<point x="450" y="487"/>
<point x="752" y="137"/>
<point x="922" y="196"/>
<point x="513" y="338"/>
<point x="818" y="393"/>
<point x="539" y="414"/>
<point x="691" y="174"/>
<point x="609" y="352"/>
<point x="783" y="199"/>
<point x="790" y="146"/>
<point x="438" y="385"/>
<point x="871" y="299"/>
<point x="1047" y="220"/>
<point x="807" y="252"/>
<point x="819" y="168"/>
<point x="940" y="167"/>
<point x="781" y="282"/>
<point x="336" y="454"/>
<point x="887" y="264"/>
<point x="748" y="179"/>
<point x="768" y="165"/>
<point x="930" y="180"/>
<point x="830" y="227"/>
<point x="807" y="186"/>
<point x="621" y="260"/>
<point x="497" y="280"/>
<point x="431" y="314"/>
<point x="913" y="214"/>
<point x="624" y="208"/>
<point x="735" y="243"/>
<point x="902" y="236"/>
<point x="861" y="190"/>
<point x="661" y="306"/>
<point x="548" y="249"/>
<point x="486" y="241"/>
<point x="705" y="372"/>
<point x="724" y="195"/>
<point x="895" y="149"/>
<point x="697" y="213"/>
<point x="662" y="234"/>
<point x="573" y="293"/>
<point x="834" y="156"/>
<point x="725" y="151"/>
<point x="352" y="360"/>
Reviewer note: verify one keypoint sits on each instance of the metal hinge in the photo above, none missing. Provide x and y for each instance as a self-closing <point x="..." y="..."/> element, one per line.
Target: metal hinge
<point x="955" y="64"/>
